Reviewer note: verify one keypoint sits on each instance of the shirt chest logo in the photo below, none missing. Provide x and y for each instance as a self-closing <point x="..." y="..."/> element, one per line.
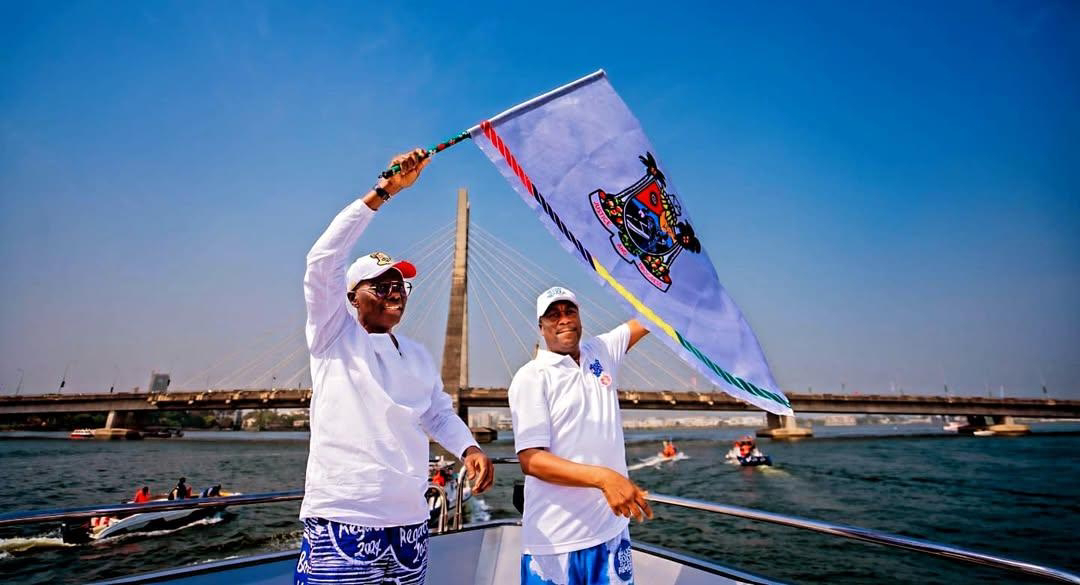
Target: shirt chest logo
<point x="598" y="371"/>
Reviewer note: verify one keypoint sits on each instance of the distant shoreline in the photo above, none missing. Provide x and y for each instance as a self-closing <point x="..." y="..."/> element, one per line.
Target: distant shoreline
<point x="633" y="435"/>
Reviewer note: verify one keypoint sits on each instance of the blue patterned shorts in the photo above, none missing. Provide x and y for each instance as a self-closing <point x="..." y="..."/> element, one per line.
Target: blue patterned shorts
<point x="333" y="552"/>
<point x="608" y="563"/>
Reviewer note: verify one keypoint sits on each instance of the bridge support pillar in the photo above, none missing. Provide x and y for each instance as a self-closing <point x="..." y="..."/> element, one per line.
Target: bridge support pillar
<point x="1004" y="425"/>
<point x="783" y="427"/>
<point x="110" y="421"/>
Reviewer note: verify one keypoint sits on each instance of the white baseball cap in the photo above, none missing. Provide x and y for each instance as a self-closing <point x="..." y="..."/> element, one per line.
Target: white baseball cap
<point x="374" y="264"/>
<point x="551" y="295"/>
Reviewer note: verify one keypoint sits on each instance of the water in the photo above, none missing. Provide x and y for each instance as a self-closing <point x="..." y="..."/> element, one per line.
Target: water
<point x="1017" y="497"/>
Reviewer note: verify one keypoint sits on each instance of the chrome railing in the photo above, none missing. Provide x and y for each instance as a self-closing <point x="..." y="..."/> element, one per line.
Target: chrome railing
<point x="850" y="532"/>
<point x="874" y="536"/>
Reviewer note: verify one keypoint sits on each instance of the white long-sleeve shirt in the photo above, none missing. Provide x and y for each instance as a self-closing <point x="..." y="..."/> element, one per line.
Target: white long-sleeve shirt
<point x="373" y="405"/>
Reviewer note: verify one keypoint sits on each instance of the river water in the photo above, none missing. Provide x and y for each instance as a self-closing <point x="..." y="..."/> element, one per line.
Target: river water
<point x="1017" y="497"/>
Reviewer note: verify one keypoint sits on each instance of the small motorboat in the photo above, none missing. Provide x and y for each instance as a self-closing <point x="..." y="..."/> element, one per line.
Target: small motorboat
<point x="101" y="527"/>
<point x="162" y="433"/>
<point x="983" y="433"/>
<point x="666" y="456"/>
<point x="113" y="434"/>
<point x="746" y="453"/>
<point x="657" y="460"/>
<point x="754" y="460"/>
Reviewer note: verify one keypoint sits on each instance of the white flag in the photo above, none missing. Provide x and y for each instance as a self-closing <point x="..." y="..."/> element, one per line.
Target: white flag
<point x="580" y="159"/>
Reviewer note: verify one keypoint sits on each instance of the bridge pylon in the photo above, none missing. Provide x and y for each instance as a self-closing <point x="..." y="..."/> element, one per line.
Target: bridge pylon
<point x="455" y="365"/>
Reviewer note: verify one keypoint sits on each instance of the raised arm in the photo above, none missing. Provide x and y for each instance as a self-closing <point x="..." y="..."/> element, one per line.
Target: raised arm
<point x="637" y="331"/>
<point x="324" y="278"/>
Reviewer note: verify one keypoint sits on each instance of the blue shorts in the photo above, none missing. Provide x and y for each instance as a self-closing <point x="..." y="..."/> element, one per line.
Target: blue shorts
<point x="608" y="563"/>
<point x="333" y="552"/>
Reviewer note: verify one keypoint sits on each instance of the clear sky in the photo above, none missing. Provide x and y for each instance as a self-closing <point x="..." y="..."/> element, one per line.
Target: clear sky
<point x="889" y="192"/>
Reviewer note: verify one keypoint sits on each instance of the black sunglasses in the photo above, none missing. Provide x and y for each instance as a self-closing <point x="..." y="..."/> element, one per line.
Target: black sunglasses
<point x="384" y="289"/>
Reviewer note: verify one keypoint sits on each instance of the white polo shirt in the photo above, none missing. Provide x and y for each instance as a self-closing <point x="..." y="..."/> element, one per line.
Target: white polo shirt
<point x="373" y="404"/>
<point x="572" y="410"/>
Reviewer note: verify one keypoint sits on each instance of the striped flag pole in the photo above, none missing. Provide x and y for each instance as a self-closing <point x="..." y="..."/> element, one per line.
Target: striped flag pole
<point x="467" y="134"/>
<point x="395" y="169"/>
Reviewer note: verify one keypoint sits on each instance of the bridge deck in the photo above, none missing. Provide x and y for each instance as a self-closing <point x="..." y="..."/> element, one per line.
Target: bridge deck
<point x="496" y="397"/>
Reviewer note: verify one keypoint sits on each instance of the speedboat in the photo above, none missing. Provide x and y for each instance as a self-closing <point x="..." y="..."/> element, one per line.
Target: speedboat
<point x="82" y="434"/>
<point x="658" y="459"/>
<point x="745" y="453"/>
<point x="110" y="525"/>
<point x="754" y="460"/>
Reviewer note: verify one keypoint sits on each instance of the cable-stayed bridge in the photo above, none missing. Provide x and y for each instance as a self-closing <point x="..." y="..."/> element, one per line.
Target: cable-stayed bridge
<point x="464" y="268"/>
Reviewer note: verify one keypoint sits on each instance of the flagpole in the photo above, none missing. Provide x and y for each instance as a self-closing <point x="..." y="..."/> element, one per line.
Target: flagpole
<point x="394" y="169"/>
<point x="543" y="98"/>
<point x="522" y="107"/>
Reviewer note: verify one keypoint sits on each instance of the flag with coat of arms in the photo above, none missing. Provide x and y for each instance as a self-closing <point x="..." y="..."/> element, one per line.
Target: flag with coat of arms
<point x="580" y="159"/>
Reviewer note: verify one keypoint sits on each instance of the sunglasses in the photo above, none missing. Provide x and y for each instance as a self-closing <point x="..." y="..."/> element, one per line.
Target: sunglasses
<point x="385" y="289"/>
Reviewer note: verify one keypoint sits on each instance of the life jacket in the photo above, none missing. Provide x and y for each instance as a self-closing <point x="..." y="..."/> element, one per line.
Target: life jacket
<point x="140" y="497"/>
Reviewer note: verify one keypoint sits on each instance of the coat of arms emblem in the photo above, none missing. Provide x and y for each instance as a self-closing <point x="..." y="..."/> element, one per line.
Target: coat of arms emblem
<point x="646" y="225"/>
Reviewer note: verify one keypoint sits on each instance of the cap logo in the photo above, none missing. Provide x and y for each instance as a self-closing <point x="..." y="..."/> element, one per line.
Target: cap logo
<point x="553" y="292"/>
<point x="381" y="258"/>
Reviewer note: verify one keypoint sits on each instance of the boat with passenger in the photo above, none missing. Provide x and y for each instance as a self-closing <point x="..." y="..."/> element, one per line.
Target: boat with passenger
<point x="108" y="525"/>
<point x="746" y="454"/>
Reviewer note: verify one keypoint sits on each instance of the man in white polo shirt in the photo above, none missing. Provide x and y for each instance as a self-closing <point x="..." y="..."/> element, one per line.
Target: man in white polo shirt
<point x="569" y="439"/>
<point x="376" y="397"/>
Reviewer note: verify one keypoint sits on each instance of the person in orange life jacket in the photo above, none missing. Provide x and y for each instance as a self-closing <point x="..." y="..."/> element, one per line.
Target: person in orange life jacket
<point x="141" y="495"/>
<point x="669" y="449"/>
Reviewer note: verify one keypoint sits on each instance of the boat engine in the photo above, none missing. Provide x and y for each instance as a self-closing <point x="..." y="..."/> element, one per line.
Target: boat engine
<point x="75" y="532"/>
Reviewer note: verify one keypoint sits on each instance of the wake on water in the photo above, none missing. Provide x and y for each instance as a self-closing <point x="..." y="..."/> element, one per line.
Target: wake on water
<point x="479" y="510"/>
<point x="657" y="460"/>
<point x="9" y="547"/>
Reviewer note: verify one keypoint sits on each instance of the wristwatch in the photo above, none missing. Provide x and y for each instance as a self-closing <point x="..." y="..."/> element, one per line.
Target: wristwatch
<point x="382" y="193"/>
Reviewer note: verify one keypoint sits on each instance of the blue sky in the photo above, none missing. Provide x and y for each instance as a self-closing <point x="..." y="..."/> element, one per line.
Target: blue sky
<point x="889" y="192"/>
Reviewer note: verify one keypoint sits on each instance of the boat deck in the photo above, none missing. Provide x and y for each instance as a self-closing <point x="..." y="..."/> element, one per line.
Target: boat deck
<point x="481" y="554"/>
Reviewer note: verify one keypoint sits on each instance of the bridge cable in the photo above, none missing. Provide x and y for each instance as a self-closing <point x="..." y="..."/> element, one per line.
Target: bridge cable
<point x="495" y="340"/>
<point x="415" y="247"/>
<point x="489" y="268"/>
<point x="528" y="301"/>
<point x="629" y="364"/>
<point x="429" y="299"/>
<point x="258" y="359"/>
<point x="270" y="371"/>
<point x="231" y="356"/>
<point x="481" y="272"/>
<point x="298" y="376"/>
<point x="644" y="354"/>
